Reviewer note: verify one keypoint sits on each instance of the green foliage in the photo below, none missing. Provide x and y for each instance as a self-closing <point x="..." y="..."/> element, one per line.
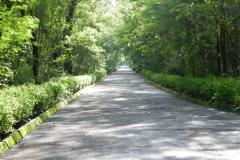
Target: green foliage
<point x="227" y="91"/>
<point x="45" y="39"/>
<point x="15" y="34"/>
<point x="22" y="74"/>
<point x="182" y="37"/>
<point x="84" y="38"/>
<point x="222" y="91"/>
<point x="6" y="75"/>
<point x="50" y="38"/>
<point x="16" y="106"/>
<point x="19" y="103"/>
<point x="92" y="38"/>
<point x="97" y="76"/>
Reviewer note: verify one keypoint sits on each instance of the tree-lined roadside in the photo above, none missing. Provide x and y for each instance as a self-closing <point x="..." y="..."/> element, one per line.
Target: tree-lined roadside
<point x="47" y="47"/>
<point x="184" y="37"/>
<point x="40" y="39"/>
<point x="221" y="93"/>
<point x="43" y="39"/>
<point x="124" y="117"/>
<point x="190" y="46"/>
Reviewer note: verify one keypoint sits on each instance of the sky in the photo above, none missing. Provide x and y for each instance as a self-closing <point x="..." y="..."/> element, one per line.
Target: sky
<point x="114" y="4"/>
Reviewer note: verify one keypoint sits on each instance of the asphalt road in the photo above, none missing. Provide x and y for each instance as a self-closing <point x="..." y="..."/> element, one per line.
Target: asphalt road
<point x="125" y="118"/>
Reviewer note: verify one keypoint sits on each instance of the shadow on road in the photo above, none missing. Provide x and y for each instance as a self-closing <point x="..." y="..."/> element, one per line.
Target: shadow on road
<point x="125" y="118"/>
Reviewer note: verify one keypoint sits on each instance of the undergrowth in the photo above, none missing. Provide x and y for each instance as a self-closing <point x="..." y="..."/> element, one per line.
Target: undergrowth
<point x="221" y="91"/>
<point x="20" y="103"/>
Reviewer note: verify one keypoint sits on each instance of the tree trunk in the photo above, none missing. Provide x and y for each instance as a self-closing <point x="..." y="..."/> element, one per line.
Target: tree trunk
<point x="222" y="49"/>
<point x="68" y="65"/>
<point x="35" y="59"/>
<point x="222" y="41"/>
<point x="218" y="55"/>
<point x="35" y="42"/>
<point x="8" y="3"/>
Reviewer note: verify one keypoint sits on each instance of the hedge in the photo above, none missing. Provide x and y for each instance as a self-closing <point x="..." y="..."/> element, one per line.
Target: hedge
<point x="219" y="90"/>
<point x="18" y="103"/>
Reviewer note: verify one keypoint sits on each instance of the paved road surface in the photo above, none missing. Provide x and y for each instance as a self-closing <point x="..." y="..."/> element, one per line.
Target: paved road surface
<point x="125" y="118"/>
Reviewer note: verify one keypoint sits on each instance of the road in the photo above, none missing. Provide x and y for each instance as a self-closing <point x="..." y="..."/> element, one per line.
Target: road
<point x="125" y="118"/>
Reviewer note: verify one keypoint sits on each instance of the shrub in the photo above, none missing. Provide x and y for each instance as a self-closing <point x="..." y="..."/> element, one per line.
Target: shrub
<point x="97" y="76"/>
<point x="18" y="103"/>
<point x="225" y="91"/>
<point x="7" y="120"/>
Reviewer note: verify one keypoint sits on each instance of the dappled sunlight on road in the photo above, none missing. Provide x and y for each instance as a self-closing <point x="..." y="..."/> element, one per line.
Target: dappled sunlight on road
<point x="125" y="118"/>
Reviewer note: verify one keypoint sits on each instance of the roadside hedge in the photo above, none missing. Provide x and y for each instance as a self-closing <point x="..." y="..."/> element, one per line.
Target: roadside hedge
<point x="18" y="103"/>
<point x="222" y="90"/>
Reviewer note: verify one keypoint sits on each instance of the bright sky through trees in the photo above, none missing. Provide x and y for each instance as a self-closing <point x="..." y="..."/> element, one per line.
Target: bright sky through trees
<point x="113" y="4"/>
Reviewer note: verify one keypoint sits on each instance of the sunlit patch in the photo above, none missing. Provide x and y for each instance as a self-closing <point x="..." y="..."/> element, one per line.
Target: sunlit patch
<point x="142" y="107"/>
<point x="121" y="99"/>
<point x="196" y="123"/>
<point x="181" y="154"/>
<point x="114" y="131"/>
<point x="143" y="91"/>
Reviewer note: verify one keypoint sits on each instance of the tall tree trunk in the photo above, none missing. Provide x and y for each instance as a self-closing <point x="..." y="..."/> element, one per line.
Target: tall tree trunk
<point x="68" y="65"/>
<point x="8" y="3"/>
<point x="35" y="58"/>
<point x="35" y="41"/>
<point x="35" y="62"/>
<point x="218" y="55"/>
<point x="222" y="48"/>
<point x="218" y="58"/>
<point x="222" y="41"/>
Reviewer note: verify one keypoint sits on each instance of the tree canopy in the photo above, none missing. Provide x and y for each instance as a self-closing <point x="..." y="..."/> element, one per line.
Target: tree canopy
<point x="40" y="39"/>
<point x="185" y="37"/>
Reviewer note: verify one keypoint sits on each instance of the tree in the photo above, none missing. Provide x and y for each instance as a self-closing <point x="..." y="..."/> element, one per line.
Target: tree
<point x="200" y="36"/>
<point x="15" y="35"/>
<point x="92" y="23"/>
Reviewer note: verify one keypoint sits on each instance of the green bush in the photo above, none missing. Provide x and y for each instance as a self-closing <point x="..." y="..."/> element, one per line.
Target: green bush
<point x="225" y="91"/>
<point x="110" y="69"/>
<point x="98" y="75"/>
<point x="7" y="105"/>
<point x="18" y="103"/>
<point x="43" y="95"/>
